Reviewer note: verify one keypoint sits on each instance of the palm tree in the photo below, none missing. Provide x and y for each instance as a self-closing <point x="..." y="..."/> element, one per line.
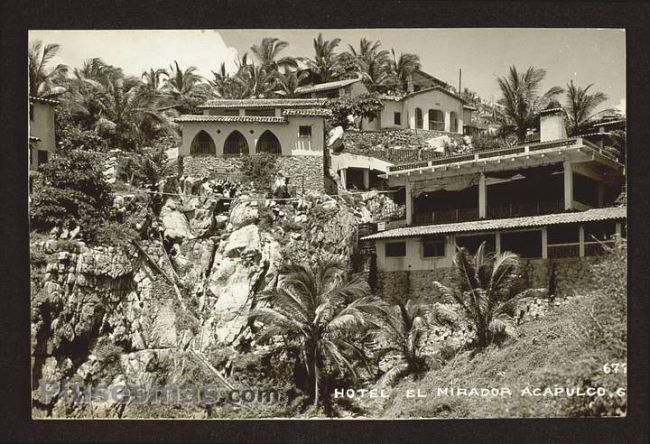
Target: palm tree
<point x="152" y="79"/>
<point x="256" y="81"/>
<point x="324" y="67"/>
<point x="404" y="331"/>
<point x="267" y="52"/>
<point x="580" y="105"/>
<point x="521" y="101"/>
<point x="44" y="82"/>
<point x="318" y="312"/>
<point x="372" y="62"/>
<point x="484" y="288"/>
<point x="402" y="68"/>
<point x="184" y="88"/>
<point x="151" y="167"/>
<point x="288" y="83"/>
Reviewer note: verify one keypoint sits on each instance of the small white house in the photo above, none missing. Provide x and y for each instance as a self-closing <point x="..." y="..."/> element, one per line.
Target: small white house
<point x="42" y="143"/>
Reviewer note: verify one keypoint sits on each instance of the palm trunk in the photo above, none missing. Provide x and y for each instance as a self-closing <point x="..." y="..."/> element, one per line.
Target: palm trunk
<point x="315" y="386"/>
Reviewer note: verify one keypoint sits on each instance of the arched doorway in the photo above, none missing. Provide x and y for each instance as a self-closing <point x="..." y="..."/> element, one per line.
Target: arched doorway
<point x="418" y="118"/>
<point x="436" y="120"/>
<point x="203" y="144"/>
<point x="268" y="143"/>
<point x="235" y="145"/>
<point x="453" y="122"/>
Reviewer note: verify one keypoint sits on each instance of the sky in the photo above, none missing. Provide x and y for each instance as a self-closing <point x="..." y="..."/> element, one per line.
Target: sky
<point x="483" y="54"/>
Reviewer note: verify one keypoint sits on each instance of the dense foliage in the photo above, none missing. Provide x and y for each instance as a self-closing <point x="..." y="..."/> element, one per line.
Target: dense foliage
<point x="366" y="106"/>
<point x="260" y="169"/>
<point x="71" y="192"/>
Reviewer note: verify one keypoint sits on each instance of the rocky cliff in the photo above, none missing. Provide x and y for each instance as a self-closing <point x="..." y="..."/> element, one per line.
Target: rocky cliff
<point x="140" y="312"/>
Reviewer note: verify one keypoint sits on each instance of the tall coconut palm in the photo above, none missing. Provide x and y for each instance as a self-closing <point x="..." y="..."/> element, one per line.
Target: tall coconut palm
<point x="256" y="81"/>
<point x="521" y="101"/>
<point x="324" y="67"/>
<point x="402" y="69"/>
<point x="580" y="104"/>
<point x="485" y="290"/>
<point x="44" y="82"/>
<point x="372" y="62"/>
<point x="153" y="79"/>
<point x="184" y="88"/>
<point x="268" y="51"/>
<point x="317" y="312"/>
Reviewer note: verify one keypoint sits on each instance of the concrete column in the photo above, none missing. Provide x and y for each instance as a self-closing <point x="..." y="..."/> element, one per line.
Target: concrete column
<point x="409" y="203"/>
<point x="619" y="230"/>
<point x="568" y="185"/>
<point x="581" y="239"/>
<point x="482" y="197"/>
<point x="447" y="122"/>
<point x="601" y="195"/>
<point x="344" y="178"/>
<point x="544" y="243"/>
<point x="366" y="179"/>
<point x="497" y="242"/>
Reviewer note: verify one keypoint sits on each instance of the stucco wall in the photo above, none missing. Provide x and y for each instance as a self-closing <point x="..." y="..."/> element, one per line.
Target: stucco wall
<point x="298" y="168"/>
<point x="414" y="256"/>
<point x="287" y="134"/>
<point x="42" y="127"/>
<point x="434" y="100"/>
<point x="574" y="275"/>
<point x="387" y="117"/>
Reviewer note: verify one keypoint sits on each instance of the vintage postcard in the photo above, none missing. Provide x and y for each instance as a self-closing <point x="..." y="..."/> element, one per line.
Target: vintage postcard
<point x="328" y="223"/>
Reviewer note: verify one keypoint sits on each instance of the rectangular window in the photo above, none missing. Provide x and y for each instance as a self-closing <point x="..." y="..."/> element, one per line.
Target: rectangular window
<point x="433" y="247"/>
<point x="527" y="244"/>
<point x="31" y="112"/>
<point x="264" y="112"/>
<point x="471" y="243"/>
<point x="42" y="157"/>
<point x="304" y="131"/>
<point x="224" y="112"/>
<point x="396" y="249"/>
<point x="397" y="118"/>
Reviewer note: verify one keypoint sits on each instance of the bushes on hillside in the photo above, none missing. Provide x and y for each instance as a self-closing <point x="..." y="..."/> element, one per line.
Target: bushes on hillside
<point x="260" y="169"/>
<point x="72" y="191"/>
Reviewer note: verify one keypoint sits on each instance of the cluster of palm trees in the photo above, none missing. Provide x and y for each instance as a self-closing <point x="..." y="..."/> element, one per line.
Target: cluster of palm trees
<point x="131" y="111"/>
<point x="328" y="321"/>
<point x="521" y="103"/>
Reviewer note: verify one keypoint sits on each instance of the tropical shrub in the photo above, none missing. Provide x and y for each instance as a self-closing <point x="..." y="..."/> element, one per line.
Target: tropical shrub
<point x="260" y="169"/>
<point x="403" y="333"/>
<point x="484" y="287"/>
<point x="313" y="316"/>
<point x="72" y="192"/>
<point x="364" y="106"/>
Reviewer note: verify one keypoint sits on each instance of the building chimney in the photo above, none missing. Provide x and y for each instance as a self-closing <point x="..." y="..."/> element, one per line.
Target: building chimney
<point x="551" y="123"/>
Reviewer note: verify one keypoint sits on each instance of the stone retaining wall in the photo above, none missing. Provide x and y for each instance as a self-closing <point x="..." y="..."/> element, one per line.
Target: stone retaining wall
<point x="572" y="275"/>
<point x="300" y="169"/>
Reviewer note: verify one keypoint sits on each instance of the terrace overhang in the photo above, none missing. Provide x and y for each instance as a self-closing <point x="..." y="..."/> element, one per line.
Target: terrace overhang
<point x="574" y="150"/>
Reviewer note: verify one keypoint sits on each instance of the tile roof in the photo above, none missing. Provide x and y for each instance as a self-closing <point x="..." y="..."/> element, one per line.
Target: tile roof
<point x="424" y="90"/>
<point x="262" y="103"/>
<point x="326" y="86"/>
<point x="44" y="100"/>
<point x="307" y="112"/>
<point x="595" y="214"/>
<point x="243" y="119"/>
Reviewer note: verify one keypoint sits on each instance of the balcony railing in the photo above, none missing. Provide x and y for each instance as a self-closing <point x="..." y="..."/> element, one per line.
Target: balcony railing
<point x="521" y="149"/>
<point x="446" y="216"/>
<point x="559" y="251"/>
<point x="520" y="209"/>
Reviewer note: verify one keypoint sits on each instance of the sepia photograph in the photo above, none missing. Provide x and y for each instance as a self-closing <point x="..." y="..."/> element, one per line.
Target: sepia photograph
<point x="355" y="223"/>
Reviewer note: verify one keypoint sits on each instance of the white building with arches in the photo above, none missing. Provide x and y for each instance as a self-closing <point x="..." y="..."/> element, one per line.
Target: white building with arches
<point x="233" y="128"/>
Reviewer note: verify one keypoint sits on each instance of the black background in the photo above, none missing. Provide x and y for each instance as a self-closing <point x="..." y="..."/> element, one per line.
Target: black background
<point x="15" y="396"/>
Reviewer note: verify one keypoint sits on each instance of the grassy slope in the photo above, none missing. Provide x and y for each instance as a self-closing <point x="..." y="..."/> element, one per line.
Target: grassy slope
<point x="550" y="351"/>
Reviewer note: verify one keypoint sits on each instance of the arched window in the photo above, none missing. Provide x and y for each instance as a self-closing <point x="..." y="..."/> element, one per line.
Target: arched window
<point x="235" y="145"/>
<point x="268" y="143"/>
<point x="203" y="144"/>
<point x="453" y="122"/>
<point x="418" y="118"/>
<point x="436" y="120"/>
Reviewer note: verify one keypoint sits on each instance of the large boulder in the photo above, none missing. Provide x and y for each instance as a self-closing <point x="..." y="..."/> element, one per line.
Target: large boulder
<point x="243" y="214"/>
<point x="174" y="222"/>
<point x="243" y="242"/>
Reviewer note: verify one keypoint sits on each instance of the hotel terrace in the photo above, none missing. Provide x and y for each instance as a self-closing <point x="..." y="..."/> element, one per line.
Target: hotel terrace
<point x="550" y="199"/>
